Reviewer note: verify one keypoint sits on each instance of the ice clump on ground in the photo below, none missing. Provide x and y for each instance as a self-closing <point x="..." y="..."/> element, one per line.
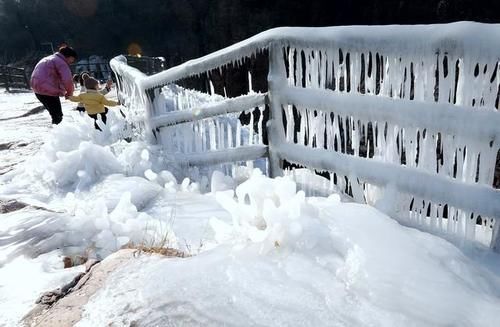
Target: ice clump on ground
<point x="96" y="184"/>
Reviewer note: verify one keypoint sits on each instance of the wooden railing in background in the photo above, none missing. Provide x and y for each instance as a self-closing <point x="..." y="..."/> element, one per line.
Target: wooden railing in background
<point x="13" y="78"/>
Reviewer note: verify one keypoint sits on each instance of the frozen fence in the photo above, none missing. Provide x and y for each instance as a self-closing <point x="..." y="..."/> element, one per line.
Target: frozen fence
<point x="404" y="118"/>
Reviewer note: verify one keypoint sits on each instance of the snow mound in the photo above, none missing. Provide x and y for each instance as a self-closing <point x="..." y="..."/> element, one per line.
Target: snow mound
<point x="291" y="260"/>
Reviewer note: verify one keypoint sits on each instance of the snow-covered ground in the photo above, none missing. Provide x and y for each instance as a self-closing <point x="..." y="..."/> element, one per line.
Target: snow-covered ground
<point x="263" y="253"/>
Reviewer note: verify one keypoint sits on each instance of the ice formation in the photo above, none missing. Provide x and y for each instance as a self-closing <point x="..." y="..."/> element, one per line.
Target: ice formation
<point x="359" y="103"/>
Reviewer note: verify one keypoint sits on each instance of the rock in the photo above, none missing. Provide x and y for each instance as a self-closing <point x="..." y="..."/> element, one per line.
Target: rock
<point x="63" y="307"/>
<point x="90" y="263"/>
<point x="74" y="261"/>
<point x="51" y="297"/>
<point x="11" y="205"/>
<point x="67" y="262"/>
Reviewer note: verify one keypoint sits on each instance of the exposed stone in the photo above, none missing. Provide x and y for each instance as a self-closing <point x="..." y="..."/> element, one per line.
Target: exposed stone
<point x="74" y="261"/>
<point x="63" y="307"/>
<point x="11" y="205"/>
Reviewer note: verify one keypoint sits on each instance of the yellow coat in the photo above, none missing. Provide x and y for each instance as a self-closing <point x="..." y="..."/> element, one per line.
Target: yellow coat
<point x="93" y="101"/>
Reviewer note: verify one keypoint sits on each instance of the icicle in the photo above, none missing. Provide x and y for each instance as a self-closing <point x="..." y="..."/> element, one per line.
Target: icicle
<point x="238" y="133"/>
<point x="220" y="134"/>
<point x="302" y="131"/>
<point x="439" y="217"/>
<point x="212" y="133"/>
<point x="432" y="216"/>
<point x="450" y="227"/>
<point x="322" y="69"/>
<point x="487" y="164"/>
<point x="336" y="132"/>
<point x="341" y="182"/>
<point x="230" y="138"/>
<point x="308" y="70"/>
<point x="347" y="133"/>
<point x="259" y="126"/>
<point x="349" y="84"/>
<point x="290" y="128"/>
<point x="357" y="190"/>
<point x="470" y="226"/>
<point x="196" y="138"/>
<point x="299" y="69"/>
<point x="203" y="135"/>
<point x="333" y="68"/>
<point x="355" y="136"/>
<point x="250" y="126"/>
<point x="315" y="69"/>
<point x="327" y="68"/>
<point x="212" y="89"/>
<point x="355" y="71"/>
<point x="250" y="87"/>
<point x="339" y="73"/>
<point x="291" y="68"/>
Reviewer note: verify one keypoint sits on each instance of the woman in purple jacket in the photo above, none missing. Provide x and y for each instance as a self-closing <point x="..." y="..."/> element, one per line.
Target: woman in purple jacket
<point x="52" y="79"/>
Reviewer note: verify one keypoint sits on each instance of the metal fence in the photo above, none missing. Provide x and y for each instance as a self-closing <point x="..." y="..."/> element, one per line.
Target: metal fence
<point x="98" y="69"/>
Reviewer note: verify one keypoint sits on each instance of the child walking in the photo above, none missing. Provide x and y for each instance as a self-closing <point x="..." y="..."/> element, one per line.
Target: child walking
<point x="80" y="79"/>
<point x="93" y="101"/>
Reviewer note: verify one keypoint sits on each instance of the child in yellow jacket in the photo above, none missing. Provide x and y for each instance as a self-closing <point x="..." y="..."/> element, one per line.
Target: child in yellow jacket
<point x="93" y="101"/>
<point x="79" y="79"/>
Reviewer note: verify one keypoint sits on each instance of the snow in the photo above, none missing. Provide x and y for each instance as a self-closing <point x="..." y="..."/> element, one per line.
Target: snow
<point x="318" y="262"/>
<point x="262" y="251"/>
<point x="23" y="280"/>
<point x="20" y="145"/>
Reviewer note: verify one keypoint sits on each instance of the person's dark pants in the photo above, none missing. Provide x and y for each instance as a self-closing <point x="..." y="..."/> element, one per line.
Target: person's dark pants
<point x="103" y="118"/>
<point x="53" y="106"/>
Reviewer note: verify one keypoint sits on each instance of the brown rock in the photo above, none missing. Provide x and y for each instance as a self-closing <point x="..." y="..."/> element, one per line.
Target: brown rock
<point x="63" y="307"/>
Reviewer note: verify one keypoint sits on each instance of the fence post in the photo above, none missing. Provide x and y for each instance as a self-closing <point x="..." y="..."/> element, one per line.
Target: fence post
<point x="149" y="112"/>
<point x="26" y="81"/>
<point x="2" y="76"/>
<point x="276" y="83"/>
<point x="495" y="237"/>
<point x="8" y="78"/>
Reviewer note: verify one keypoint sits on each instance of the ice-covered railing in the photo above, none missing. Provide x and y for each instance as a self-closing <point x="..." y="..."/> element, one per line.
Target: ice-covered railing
<point x="129" y="93"/>
<point x="401" y="117"/>
<point x="201" y="129"/>
<point x="197" y="128"/>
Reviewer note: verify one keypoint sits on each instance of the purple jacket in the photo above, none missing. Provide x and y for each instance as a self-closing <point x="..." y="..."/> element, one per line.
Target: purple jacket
<point x="52" y="76"/>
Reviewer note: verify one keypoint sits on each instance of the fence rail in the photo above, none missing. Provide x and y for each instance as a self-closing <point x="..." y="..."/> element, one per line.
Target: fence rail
<point x="225" y="107"/>
<point x="405" y="119"/>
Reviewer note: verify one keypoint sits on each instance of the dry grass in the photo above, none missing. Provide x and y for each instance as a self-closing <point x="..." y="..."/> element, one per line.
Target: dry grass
<point x="157" y="241"/>
<point x="165" y="251"/>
